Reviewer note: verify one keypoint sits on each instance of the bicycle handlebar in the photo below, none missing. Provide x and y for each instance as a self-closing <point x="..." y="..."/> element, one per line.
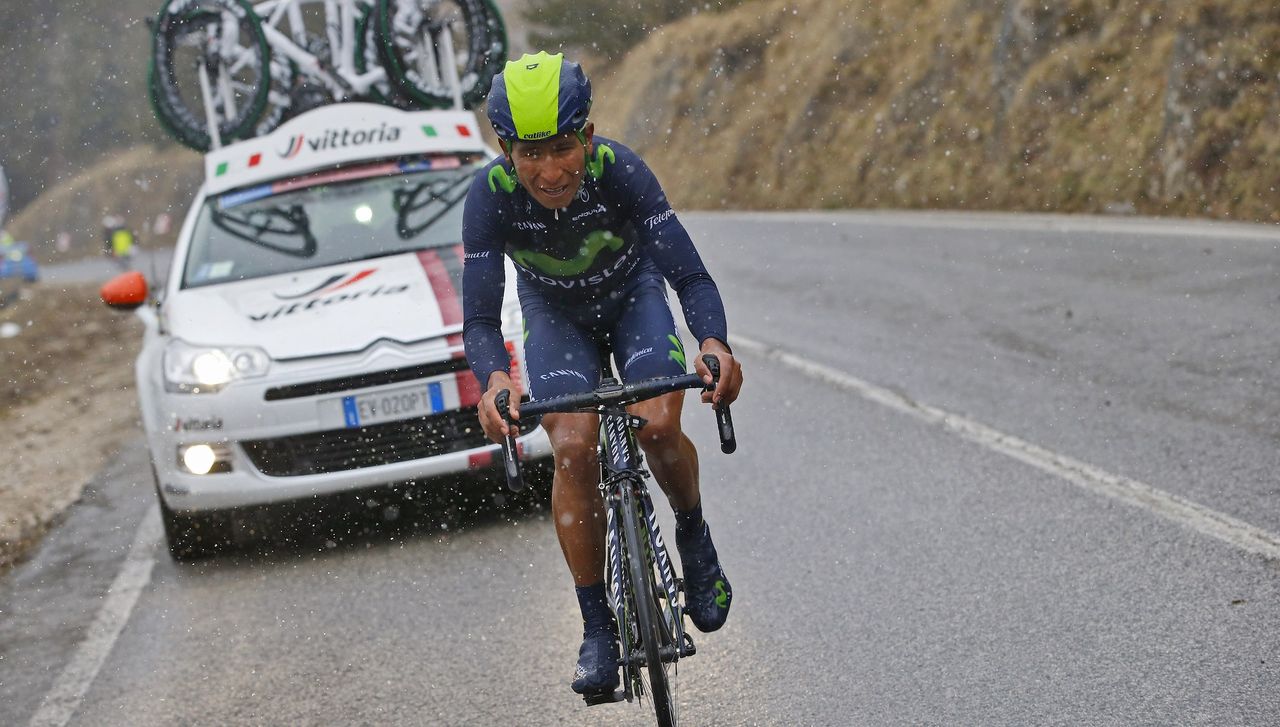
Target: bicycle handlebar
<point x="618" y="395"/>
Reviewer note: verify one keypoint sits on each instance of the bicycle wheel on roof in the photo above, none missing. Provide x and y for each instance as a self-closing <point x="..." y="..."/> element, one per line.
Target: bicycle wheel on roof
<point x="223" y="41"/>
<point x="426" y="43"/>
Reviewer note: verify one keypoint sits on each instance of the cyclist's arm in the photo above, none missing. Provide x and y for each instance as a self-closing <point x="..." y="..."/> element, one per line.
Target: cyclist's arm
<point x="668" y="244"/>
<point x="483" y="284"/>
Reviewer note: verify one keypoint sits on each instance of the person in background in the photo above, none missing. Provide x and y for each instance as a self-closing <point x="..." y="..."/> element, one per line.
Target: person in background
<point x="117" y="240"/>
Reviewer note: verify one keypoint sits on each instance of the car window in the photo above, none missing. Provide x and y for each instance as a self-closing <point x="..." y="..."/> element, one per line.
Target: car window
<point x="263" y="231"/>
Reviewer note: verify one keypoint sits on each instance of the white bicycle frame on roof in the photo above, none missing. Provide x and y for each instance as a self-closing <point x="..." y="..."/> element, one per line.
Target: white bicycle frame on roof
<point x="342" y="79"/>
<point x="340" y="29"/>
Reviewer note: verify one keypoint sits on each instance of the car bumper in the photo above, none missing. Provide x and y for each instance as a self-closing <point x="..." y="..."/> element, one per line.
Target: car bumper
<point x="287" y="436"/>
<point x="245" y="487"/>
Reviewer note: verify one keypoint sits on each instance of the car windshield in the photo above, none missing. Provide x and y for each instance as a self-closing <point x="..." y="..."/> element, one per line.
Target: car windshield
<point x="336" y="217"/>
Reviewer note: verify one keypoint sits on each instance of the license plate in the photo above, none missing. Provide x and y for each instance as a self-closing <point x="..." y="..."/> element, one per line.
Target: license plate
<point x="388" y="406"/>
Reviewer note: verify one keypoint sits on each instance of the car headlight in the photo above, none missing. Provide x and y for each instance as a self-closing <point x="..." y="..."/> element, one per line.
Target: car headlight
<point x="205" y="369"/>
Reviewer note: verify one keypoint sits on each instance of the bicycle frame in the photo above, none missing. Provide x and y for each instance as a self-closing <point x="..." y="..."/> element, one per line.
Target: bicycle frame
<point x="623" y="485"/>
<point x="340" y="28"/>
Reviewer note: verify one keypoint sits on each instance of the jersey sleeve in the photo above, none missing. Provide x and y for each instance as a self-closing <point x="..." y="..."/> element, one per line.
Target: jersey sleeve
<point x="483" y="283"/>
<point x="667" y="243"/>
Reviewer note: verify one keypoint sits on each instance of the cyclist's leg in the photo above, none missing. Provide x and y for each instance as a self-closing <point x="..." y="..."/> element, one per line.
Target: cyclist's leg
<point x="562" y="359"/>
<point x="648" y="346"/>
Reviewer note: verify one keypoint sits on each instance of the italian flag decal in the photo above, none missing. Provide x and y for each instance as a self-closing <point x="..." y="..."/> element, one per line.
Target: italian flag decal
<point x="460" y="130"/>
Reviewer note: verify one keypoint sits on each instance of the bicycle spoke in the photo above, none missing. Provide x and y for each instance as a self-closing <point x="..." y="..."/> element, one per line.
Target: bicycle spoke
<point x="244" y="58"/>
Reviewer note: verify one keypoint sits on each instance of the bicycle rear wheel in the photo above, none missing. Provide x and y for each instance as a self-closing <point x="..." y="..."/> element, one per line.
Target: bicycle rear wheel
<point x="660" y="649"/>
<point x="225" y="38"/>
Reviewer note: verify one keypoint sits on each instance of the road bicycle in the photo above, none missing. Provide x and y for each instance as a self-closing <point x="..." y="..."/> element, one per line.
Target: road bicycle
<point x="207" y="80"/>
<point x="646" y="597"/>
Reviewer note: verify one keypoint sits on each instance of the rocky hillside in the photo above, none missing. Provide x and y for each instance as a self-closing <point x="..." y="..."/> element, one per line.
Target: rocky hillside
<point x="1168" y="108"/>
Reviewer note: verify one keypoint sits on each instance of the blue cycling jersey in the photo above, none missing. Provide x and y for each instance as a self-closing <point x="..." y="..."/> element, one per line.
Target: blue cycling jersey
<point x="618" y="227"/>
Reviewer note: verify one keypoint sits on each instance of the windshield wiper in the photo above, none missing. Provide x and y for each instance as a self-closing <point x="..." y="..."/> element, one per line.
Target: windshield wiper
<point x="443" y="193"/>
<point x="254" y="226"/>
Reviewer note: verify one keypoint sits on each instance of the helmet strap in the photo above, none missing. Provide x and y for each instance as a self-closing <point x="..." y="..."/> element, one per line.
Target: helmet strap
<point x="586" y="156"/>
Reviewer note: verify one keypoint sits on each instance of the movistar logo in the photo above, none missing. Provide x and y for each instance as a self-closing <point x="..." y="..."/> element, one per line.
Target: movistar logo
<point x="591" y="247"/>
<point x="595" y="167"/>
<point x="676" y="354"/>
<point x="722" y="596"/>
<point x="498" y="177"/>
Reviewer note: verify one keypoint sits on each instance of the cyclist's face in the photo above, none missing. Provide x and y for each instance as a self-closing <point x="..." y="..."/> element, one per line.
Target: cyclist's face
<point x="552" y="169"/>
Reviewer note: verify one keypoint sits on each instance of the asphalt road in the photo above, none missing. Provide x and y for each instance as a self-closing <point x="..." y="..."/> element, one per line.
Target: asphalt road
<point x="926" y="521"/>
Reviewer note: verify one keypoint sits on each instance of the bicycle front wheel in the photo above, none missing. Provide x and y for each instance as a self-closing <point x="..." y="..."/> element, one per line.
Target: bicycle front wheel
<point x="660" y="649"/>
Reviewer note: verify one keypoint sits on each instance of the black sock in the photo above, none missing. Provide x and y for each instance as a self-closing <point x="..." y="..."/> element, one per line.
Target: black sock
<point x="596" y="614"/>
<point x="688" y="524"/>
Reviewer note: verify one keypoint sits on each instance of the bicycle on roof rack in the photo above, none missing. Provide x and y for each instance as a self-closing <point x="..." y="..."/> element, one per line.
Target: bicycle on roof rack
<point x="645" y="595"/>
<point x="224" y="70"/>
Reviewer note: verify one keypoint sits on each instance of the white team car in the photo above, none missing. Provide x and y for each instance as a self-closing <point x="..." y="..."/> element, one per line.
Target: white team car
<point x="308" y="339"/>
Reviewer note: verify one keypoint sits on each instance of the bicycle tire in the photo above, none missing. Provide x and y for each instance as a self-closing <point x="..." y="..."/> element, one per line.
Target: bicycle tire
<point x="176" y="98"/>
<point x="400" y="28"/>
<point x="279" y="106"/>
<point x="368" y="54"/>
<point x="494" y="56"/>
<point x="645" y="597"/>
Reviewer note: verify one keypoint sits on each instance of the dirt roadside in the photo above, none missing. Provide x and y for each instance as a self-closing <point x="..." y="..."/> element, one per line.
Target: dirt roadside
<point x="67" y="403"/>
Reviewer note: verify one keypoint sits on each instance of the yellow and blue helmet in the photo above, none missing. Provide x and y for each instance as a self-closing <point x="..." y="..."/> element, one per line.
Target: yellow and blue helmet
<point x="538" y="97"/>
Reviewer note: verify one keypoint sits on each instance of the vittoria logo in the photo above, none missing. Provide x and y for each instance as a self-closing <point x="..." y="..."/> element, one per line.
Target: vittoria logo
<point x="333" y="283"/>
<point x="195" y="424"/>
<point x="295" y="146"/>
<point x="324" y="301"/>
<point x="338" y="138"/>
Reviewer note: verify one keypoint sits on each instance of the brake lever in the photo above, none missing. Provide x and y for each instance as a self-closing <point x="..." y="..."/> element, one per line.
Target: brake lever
<point x="510" y="454"/>
<point x="724" y="421"/>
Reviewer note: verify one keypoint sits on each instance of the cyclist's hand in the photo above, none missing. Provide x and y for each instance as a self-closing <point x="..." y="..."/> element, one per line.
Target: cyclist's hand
<point x="730" y="373"/>
<point x="495" y="427"/>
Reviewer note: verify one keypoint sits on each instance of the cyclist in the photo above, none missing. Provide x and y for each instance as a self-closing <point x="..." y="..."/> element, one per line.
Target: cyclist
<point x="592" y="237"/>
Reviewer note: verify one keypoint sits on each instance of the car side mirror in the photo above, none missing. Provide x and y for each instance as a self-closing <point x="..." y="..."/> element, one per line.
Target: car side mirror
<point x="125" y="291"/>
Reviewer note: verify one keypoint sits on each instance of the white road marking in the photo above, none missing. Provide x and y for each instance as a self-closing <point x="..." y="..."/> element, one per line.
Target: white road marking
<point x="1129" y="491"/>
<point x="68" y="691"/>
<point x="941" y="219"/>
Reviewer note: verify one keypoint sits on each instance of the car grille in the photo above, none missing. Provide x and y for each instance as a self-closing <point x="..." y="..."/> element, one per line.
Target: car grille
<point x="363" y="381"/>
<point x="349" y="449"/>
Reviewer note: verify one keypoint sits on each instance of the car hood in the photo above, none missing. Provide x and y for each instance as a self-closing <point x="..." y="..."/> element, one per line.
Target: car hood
<point x="323" y="311"/>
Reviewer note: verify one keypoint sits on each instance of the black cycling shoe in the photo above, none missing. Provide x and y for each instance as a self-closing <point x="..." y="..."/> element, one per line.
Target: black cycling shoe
<point x="597" y="670"/>
<point x="707" y="590"/>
